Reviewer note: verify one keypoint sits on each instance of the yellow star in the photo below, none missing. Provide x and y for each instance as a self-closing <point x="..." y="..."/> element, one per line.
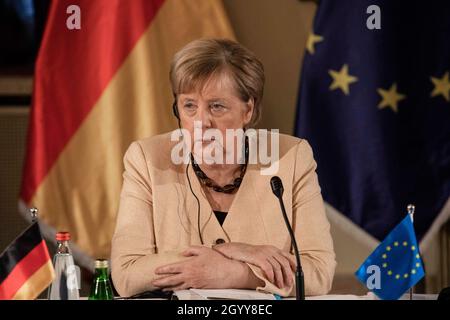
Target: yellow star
<point x="341" y="79"/>
<point x="312" y="40"/>
<point x="390" y="98"/>
<point x="441" y="87"/>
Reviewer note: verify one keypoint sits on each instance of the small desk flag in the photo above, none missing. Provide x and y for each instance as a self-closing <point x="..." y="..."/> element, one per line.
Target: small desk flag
<point x="395" y="265"/>
<point x="25" y="266"/>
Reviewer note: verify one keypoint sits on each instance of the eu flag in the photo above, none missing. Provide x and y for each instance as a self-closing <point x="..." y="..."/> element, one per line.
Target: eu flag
<point x="395" y="265"/>
<point x="374" y="103"/>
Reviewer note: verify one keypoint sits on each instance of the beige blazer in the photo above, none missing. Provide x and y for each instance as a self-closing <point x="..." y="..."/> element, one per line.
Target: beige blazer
<point x="157" y="216"/>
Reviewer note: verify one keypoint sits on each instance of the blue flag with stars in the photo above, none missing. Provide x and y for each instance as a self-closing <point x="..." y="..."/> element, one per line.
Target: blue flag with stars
<point x="395" y="265"/>
<point x="374" y="103"/>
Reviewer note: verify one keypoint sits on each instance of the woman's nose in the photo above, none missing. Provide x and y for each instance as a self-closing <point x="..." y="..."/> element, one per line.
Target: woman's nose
<point x="205" y="117"/>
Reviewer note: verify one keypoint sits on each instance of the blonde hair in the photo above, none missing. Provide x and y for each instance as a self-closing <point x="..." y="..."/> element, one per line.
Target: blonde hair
<point x="201" y="59"/>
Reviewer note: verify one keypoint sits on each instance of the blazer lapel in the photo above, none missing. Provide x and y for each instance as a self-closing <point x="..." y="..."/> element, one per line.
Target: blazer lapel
<point x="244" y="222"/>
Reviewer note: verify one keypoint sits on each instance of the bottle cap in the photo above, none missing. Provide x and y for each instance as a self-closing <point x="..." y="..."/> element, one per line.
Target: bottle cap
<point x="63" y="236"/>
<point x="101" y="263"/>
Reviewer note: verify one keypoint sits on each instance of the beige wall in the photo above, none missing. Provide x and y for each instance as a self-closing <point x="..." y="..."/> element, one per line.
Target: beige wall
<point x="276" y="31"/>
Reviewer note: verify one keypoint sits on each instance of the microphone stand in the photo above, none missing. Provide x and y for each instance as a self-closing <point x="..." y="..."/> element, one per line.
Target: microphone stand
<point x="299" y="277"/>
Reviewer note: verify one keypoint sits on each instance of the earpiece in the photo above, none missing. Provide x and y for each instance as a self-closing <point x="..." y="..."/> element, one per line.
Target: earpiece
<point x="175" y="110"/>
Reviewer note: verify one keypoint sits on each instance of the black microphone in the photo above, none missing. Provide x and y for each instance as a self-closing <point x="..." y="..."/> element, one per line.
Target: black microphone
<point x="277" y="189"/>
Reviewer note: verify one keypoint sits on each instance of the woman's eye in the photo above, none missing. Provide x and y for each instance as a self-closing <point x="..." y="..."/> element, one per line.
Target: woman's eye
<point x="217" y="107"/>
<point x="189" y="106"/>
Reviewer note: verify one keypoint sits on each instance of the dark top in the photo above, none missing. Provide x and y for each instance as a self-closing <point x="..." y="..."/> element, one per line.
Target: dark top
<point x="220" y="215"/>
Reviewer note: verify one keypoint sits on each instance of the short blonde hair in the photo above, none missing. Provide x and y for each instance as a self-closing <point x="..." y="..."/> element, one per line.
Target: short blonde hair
<point x="201" y="59"/>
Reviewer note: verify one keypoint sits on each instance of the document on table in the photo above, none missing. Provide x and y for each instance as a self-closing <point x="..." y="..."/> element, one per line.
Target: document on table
<point x="224" y="294"/>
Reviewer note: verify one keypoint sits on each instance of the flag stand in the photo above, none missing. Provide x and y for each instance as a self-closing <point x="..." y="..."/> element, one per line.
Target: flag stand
<point x="411" y="208"/>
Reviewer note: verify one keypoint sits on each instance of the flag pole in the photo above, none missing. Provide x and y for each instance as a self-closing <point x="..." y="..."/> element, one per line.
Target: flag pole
<point x="411" y="208"/>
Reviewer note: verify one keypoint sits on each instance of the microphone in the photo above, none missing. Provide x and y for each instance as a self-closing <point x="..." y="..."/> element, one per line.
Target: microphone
<point x="277" y="189"/>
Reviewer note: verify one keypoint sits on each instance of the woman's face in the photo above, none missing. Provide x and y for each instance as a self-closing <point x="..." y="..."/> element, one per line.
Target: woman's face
<point x="216" y="106"/>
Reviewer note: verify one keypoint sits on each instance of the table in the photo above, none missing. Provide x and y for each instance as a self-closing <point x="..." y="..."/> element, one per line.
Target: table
<point x="191" y="295"/>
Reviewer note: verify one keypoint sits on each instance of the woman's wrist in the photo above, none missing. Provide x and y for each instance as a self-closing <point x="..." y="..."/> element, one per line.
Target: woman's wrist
<point x="244" y="277"/>
<point x="234" y="250"/>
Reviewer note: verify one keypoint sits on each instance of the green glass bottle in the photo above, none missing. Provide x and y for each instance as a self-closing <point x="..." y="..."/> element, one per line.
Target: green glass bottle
<point x="101" y="288"/>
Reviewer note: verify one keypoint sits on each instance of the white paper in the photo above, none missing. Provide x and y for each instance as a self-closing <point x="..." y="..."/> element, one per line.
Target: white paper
<point x="233" y="294"/>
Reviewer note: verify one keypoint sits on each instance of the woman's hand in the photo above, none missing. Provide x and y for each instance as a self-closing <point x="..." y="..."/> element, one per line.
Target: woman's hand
<point x="278" y="266"/>
<point x="206" y="268"/>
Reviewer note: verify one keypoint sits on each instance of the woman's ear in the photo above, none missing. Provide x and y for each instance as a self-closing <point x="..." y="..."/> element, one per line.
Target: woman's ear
<point x="250" y="107"/>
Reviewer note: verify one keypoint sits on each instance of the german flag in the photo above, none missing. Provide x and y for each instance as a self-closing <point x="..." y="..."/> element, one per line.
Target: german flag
<point x="25" y="266"/>
<point x="97" y="88"/>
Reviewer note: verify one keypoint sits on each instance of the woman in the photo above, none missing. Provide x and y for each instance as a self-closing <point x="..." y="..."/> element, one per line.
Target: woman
<point x="210" y="224"/>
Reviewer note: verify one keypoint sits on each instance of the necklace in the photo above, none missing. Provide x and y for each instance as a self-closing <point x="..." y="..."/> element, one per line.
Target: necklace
<point x="208" y="182"/>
